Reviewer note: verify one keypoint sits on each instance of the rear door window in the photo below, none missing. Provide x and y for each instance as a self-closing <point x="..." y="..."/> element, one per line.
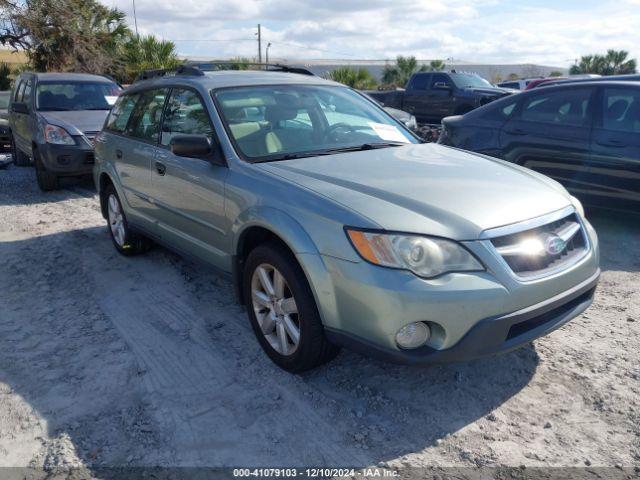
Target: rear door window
<point x="19" y="91"/>
<point x="185" y="114"/>
<point x="147" y="115"/>
<point x="621" y="110"/>
<point x="564" y="107"/>
<point x="121" y="112"/>
<point x="28" y="87"/>
<point x="440" y="78"/>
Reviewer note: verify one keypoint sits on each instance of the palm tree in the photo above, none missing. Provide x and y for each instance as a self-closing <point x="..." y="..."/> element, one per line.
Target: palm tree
<point x="5" y="76"/>
<point x="437" y="65"/>
<point x="615" y="62"/>
<point x="360" y="78"/>
<point x="147" y="53"/>
<point x="400" y="73"/>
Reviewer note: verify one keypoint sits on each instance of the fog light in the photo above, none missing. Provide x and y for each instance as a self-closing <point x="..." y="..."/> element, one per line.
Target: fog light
<point x="413" y="335"/>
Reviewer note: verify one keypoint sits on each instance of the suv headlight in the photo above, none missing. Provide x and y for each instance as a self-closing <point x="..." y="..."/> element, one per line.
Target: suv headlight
<point x="57" y="135"/>
<point x="427" y="257"/>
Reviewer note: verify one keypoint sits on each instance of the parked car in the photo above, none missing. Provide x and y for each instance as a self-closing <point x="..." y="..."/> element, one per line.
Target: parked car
<point x="518" y="84"/>
<point x="431" y="96"/>
<point x="624" y="78"/>
<point x="544" y="82"/>
<point x="585" y="135"/>
<point x="5" y="131"/>
<point x="341" y="233"/>
<point x="54" y="118"/>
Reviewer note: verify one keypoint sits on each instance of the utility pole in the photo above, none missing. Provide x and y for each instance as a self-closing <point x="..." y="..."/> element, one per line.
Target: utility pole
<point x="135" y="18"/>
<point x="259" y="45"/>
<point x="267" y="55"/>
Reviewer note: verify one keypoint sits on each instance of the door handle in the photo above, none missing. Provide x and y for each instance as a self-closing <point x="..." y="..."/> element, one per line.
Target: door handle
<point x="516" y="131"/>
<point x="161" y="168"/>
<point x="118" y="154"/>
<point x="612" y="143"/>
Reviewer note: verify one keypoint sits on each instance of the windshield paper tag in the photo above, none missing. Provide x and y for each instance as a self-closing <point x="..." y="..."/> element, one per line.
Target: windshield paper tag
<point x="388" y="133"/>
<point x="110" y="99"/>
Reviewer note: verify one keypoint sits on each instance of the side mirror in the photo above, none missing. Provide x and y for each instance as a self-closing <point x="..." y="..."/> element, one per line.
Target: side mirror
<point x="19" y="107"/>
<point x="194" y="146"/>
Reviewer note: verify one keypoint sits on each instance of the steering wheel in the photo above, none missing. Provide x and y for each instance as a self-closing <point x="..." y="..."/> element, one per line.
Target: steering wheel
<point x="337" y="129"/>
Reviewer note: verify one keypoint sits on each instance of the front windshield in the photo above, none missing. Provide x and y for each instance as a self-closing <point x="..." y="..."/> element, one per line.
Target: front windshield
<point x="467" y="80"/>
<point x="61" y="95"/>
<point x="284" y="121"/>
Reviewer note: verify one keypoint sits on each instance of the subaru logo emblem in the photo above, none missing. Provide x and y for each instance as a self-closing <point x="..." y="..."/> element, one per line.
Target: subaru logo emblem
<point x="554" y="245"/>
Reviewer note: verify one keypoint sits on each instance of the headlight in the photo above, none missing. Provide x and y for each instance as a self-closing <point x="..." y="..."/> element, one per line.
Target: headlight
<point x="57" y="135"/>
<point x="425" y="256"/>
<point x="576" y="203"/>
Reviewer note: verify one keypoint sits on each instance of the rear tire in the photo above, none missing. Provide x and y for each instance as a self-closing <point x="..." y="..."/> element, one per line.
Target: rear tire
<point x="19" y="158"/>
<point x="290" y="311"/>
<point x="47" y="181"/>
<point x="126" y="241"/>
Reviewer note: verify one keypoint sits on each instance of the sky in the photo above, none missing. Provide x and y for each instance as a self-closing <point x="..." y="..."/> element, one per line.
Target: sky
<point x="544" y="32"/>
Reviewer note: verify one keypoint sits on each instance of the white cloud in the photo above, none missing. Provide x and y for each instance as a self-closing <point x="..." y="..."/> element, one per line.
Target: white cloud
<point x="483" y="31"/>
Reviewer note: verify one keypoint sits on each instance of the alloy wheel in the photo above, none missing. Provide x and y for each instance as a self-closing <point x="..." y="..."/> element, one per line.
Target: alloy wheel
<point x="116" y="220"/>
<point x="275" y="309"/>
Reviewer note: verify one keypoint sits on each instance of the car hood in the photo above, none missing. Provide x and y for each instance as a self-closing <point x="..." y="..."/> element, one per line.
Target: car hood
<point x="427" y="188"/>
<point x="78" y="121"/>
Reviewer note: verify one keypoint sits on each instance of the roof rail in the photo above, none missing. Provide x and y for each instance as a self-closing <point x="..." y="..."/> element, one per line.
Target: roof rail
<point x="237" y="65"/>
<point x="187" y="70"/>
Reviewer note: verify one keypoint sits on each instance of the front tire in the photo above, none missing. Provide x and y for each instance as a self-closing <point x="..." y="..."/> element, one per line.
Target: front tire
<point x="126" y="241"/>
<point x="47" y="181"/>
<point x="283" y="312"/>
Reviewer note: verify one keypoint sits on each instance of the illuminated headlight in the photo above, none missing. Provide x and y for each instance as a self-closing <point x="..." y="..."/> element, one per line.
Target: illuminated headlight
<point x="57" y="135"/>
<point x="579" y="208"/>
<point x="425" y="256"/>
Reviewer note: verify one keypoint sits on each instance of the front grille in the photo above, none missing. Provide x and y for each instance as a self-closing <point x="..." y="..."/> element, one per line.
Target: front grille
<point x="519" y="249"/>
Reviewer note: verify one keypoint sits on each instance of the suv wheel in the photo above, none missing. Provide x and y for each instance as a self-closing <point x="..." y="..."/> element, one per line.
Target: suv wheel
<point x="283" y="312"/>
<point x="19" y="158"/>
<point x="124" y="239"/>
<point x="47" y="181"/>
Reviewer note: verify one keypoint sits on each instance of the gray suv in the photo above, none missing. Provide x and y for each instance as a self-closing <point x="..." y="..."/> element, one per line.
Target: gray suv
<point x="337" y="226"/>
<point x="54" y="118"/>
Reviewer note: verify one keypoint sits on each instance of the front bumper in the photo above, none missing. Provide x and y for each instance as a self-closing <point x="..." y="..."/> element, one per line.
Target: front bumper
<point x="471" y="314"/>
<point x="68" y="159"/>
<point x="5" y="138"/>
<point x="490" y="336"/>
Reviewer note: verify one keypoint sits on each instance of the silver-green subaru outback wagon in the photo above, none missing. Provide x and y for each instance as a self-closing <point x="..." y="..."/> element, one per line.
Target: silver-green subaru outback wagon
<point x="336" y="224"/>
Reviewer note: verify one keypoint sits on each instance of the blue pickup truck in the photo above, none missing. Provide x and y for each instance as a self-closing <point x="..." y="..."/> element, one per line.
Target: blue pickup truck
<point x="431" y="96"/>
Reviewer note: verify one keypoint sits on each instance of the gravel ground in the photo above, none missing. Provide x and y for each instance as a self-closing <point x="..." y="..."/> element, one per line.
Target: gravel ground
<point x="147" y="361"/>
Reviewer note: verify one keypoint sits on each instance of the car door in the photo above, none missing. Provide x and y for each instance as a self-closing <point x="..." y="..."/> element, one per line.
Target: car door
<point x="415" y="96"/>
<point x="438" y="103"/>
<point x="550" y="133"/>
<point x="614" y="176"/>
<point x="136" y="149"/>
<point x="190" y="192"/>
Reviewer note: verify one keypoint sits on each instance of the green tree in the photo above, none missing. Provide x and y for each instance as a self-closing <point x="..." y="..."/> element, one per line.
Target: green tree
<point x="437" y="65"/>
<point x="240" y="63"/>
<point x="64" y="35"/>
<point x="399" y="74"/>
<point x="355" y="78"/>
<point x="614" y="62"/>
<point x="146" y="53"/>
<point x="513" y="76"/>
<point x="5" y="76"/>
<point x="556" y="73"/>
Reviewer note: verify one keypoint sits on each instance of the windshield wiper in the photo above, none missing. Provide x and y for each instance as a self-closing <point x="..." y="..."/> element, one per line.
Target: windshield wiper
<point x="354" y="148"/>
<point x="365" y="146"/>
